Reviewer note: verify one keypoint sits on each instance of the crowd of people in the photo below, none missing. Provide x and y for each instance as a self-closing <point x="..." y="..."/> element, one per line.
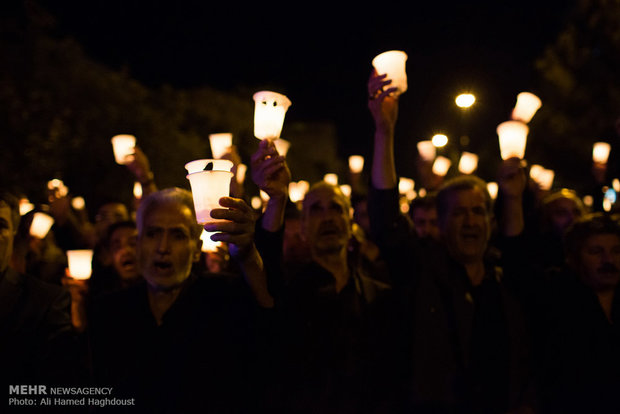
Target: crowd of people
<point x="343" y="304"/>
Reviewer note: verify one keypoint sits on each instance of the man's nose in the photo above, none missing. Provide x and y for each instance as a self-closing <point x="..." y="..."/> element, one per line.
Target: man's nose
<point x="163" y="244"/>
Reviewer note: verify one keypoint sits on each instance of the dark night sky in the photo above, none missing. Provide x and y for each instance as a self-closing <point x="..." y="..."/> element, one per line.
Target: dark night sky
<point x="316" y="55"/>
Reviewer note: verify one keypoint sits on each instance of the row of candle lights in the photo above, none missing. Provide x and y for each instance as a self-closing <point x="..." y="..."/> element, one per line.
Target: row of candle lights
<point x="210" y="178"/>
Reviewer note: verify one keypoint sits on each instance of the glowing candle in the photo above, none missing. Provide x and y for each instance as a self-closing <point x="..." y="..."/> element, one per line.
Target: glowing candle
<point x="220" y="144"/>
<point x="269" y="112"/>
<point x="80" y="263"/>
<point x="512" y="139"/>
<point x="207" y="189"/>
<point x="393" y="63"/>
<point x="124" y="148"/>
<point x="41" y="224"/>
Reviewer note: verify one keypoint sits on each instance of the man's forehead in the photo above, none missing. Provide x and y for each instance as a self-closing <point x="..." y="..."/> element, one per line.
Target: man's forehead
<point x="169" y="215"/>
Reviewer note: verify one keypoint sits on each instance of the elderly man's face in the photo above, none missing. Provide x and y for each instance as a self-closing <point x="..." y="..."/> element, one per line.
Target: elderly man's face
<point x="166" y="247"/>
<point x="7" y="232"/>
<point x="326" y="220"/>
<point x="467" y="225"/>
<point x="599" y="261"/>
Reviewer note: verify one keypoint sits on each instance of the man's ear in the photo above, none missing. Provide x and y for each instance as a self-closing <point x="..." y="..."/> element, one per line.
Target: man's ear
<point x="198" y="251"/>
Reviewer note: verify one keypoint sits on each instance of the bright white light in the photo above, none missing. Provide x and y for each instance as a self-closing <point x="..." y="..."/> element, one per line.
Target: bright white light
<point x="465" y="100"/>
<point x="439" y="140"/>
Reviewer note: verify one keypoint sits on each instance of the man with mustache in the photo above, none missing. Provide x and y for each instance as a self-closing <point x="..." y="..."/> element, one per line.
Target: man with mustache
<point x="582" y="324"/>
<point x="178" y="341"/>
<point x="462" y="346"/>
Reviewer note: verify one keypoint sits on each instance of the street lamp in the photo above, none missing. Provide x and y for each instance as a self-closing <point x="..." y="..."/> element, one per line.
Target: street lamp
<point x="465" y="100"/>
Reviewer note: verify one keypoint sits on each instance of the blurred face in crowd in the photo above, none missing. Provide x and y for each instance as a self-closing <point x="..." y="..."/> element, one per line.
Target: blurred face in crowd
<point x="425" y="222"/>
<point x="562" y="213"/>
<point x="599" y="261"/>
<point x="108" y="214"/>
<point x="7" y="232"/>
<point x="466" y="227"/>
<point x="326" y="220"/>
<point x="166" y="246"/>
<point x="123" y="252"/>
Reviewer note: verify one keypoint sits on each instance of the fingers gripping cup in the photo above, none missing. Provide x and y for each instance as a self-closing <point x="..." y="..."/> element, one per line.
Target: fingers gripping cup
<point x="393" y="63"/>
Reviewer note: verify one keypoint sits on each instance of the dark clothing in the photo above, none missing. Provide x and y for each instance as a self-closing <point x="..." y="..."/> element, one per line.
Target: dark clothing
<point x="332" y="341"/>
<point x="37" y="342"/>
<point x="582" y="353"/>
<point x="461" y="349"/>
<point x="202" y="358"/>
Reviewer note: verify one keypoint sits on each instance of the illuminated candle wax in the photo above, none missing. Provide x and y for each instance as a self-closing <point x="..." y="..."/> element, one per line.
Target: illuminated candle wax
<point x="468" y="163"/>
<point x="356" y="164"/>
<point x="269" y="111"/>
<point x="209" y="245"/>
<point x="545" y="179"/>
<point x="427" y="150"/>
<point x="220" y="144"/>
<point x="25" y="206"/>
<point x="202" y="164"/>
<point x="600" y="152"/>
<point x="124" y="148"/>
<point x="441" y="165"/>
<point x="493" y="188"/>
<point x="393" y="63"/>
<point x="282" y="146"/>
<point x="41" y="224"/>
<point x="80" y="263"/>
<point x="346" y="189"/>
<point x="78" y="203"/>
<point x="137" y="190"/>
<point x="207" y="189"/>
<point x="405" y="185"/>
<point x="526" y="106"/>
<point x="512" y="139"/>
<point x="331" y="178"/>
<point x="241" y="171"/>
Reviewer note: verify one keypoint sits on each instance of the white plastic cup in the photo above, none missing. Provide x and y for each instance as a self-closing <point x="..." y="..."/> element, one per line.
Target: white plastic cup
<point x="526" y="106"/>
<point x="269" y="112"/>
<point x="201" y="164"/>
<point x="220" y="144"/>
<point x="600" y="152"/>
<point x="124" y="147"/>
<point x="393" y="63"/>
<point x="41" y="225"/>
<point x="207" y="189"/>
<point x="80" y="263"/>
<point x="356" y="164"/>
<point x="512" y="139"/>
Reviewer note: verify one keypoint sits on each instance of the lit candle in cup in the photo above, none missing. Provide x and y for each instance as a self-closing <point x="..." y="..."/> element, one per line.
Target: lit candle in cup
<point x="80" y="263"/>
<point x="526" y="107"/>
<point x="393" y="64"/>
<point x="405" y="185"/>
<point x="468" y="163"/>
<point x="209" y="164"/>
<point x="282" y="146"/>
<point x="493" y="188"/>
<point x="356" y="164"/>
<point x="220" y="144"/>
<point x="41" y="225"/>
<point x="331" y="178"/>
<point x="512" y="139"/>
<point x="209" y="245"/>
<point x="124" y="148"/>
<point x="427" y="150"/>
<point x="207" y="189"/>
<point x="441" y="165"/>
<point x="269" y="111"/>
<point x="600" y="152"/>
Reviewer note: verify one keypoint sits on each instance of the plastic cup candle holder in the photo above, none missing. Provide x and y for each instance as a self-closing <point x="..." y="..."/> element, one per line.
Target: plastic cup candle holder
<point x="468" y="163"/>
<point x="282" y="146"/>
<point x="526" y="106"/>
<point x="512" y="139"/>
<point x="393" y="63"/>
<point x="269" y="112"/>
<point x="600" y="152"/>
<point x="208" y="164"/>
<point x="41" y="224"/>
<point x="441" y="166"/>
<point x="208" y="186"/>
<point x="427" y="150"/>
<point x="356" y="164"/>
<point x="124" y="148"/>
<point x="220" y="144"/>
<point x="80" y="263"/>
